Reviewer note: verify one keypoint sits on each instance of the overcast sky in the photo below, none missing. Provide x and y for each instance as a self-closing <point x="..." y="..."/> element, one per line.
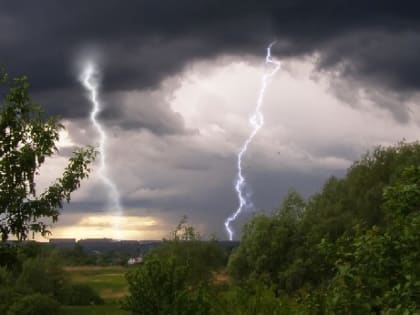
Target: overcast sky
<point x="179" y="82"/>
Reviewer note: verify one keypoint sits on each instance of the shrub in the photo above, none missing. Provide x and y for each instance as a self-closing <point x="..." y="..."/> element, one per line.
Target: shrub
<point x="79" y="294"/>
<point x="160" y="287"/>
<point x="253" y="298"/>
<point x="35" y="304"/>
<point x="42" y="275"/>
<point x="8" y="296"/>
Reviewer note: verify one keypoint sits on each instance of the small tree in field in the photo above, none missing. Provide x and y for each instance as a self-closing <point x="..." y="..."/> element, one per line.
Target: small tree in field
<point x="26" y="139"/>
<point x="176" y="277"/>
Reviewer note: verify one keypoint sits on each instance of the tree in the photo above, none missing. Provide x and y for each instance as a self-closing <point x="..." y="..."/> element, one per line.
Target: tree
<point x="42" y="274"/>
<point x="175" y="277"/>
<point x="186" y="248"/>
<point x="27" y="138"/>
<point x="160" y="287"/>
<point x="378" y="195"/>
<point x="269" y="244"/>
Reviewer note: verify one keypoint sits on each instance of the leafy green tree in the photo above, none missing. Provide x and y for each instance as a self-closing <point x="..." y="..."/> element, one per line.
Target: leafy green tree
<point x="286" y="250"/>
<point x="42" y="274"/>
<point x="269" y="244"/>
<point x="27" y="138"/>
<point x="358" y="197"/>
<point x="201" y="257"/>
<point x="160" y="287"/>
<point x="176" y="276"/>
<point x="378" y="269"/>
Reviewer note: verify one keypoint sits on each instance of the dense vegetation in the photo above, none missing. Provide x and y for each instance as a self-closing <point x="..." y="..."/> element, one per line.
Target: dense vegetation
<point x="352" y="248"/>
<point x="32" y="272"/>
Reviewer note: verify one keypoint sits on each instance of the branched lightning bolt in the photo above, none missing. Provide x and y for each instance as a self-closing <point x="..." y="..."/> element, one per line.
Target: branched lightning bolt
<point x="256" y="121"/>
<point x="89" y="79"/>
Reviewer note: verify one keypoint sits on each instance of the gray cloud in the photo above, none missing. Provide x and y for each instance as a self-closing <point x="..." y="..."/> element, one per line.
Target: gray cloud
<point x="143" y="42"/>
<point x="150" y="111"/>
<point x="167" y="161"/>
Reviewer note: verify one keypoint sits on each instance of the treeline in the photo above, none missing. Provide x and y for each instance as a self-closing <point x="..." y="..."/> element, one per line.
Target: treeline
<point x="353" y="248"/>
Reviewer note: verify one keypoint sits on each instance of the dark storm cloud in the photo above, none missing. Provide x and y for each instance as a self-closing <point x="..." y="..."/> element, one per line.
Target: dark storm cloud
<point x="142" y="42"/>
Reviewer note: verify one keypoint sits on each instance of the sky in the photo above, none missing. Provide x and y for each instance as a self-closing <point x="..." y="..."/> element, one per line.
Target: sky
<point x="179" y="80"/>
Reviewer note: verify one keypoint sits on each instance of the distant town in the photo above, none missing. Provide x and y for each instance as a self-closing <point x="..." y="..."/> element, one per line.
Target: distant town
<point x="107" y="251"/>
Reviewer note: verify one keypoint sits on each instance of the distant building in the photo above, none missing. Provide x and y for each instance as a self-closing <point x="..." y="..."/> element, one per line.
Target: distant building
<point x="97" y="240"/>
<point x="63" y="242"/>
<point x="135" y="260"/>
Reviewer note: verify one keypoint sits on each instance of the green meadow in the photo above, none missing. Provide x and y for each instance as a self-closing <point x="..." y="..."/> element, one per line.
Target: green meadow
<point x="109" y="282"/>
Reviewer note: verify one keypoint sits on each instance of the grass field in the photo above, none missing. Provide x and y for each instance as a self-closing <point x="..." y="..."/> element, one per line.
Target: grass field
<point x="110" y="284"/>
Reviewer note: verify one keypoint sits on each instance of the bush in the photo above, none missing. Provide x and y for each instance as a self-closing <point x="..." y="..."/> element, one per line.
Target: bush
<point x="79" y="294"/>
<point x="176" y="276"/>
<point x="9" y="257"/>
<point x="35" y="304"/>
<point x="5" y="277"/>
<point x="8" y="296"/>
<point x="253" y="298"/>
<point x="160" y="287"/>
<point x="43" y="275"/>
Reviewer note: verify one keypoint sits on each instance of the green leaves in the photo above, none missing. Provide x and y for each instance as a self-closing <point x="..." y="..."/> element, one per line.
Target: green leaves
<point x="353" y="248"/>
<point x="160" y="287"/>
<point x="269" y="246"/>
<point x="26" y="139"/>
<point x="176" y="276"/>
<point x="377" y="268"/>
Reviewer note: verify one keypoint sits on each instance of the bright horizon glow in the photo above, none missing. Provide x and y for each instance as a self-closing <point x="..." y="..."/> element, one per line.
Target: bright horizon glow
<point x="102" y="226"/>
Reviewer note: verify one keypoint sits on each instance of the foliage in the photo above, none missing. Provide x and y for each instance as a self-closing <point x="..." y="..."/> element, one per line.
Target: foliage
<point x="9" y="257"/>
<point x="253" y="298"/>
<point x="77" y="256"/>
<point x="79" y="294"/>
<point x="357" y="198"/>
<point x="8" y="296"/>
<point x="159" y="287"/>
<point x="43" y="275"/>
<point x="201" y="258"/>
<point x="35" y="304"/>
<point x="27" y="138"/>
<point x="268" y="246"/>
<point x="174" y="278"/>
<point x="185" y="232"/>
<point x="353" y="248"/>
<point x="378" y="269"/>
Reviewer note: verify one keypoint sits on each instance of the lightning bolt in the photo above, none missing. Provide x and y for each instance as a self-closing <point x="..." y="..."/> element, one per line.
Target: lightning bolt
<point x="89" y="78"/>
<point x="256" y="121"/>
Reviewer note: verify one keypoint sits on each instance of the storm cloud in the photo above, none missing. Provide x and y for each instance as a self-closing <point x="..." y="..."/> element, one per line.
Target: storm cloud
<point x="143" y="42"/>
<point x="179" y="79"/>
